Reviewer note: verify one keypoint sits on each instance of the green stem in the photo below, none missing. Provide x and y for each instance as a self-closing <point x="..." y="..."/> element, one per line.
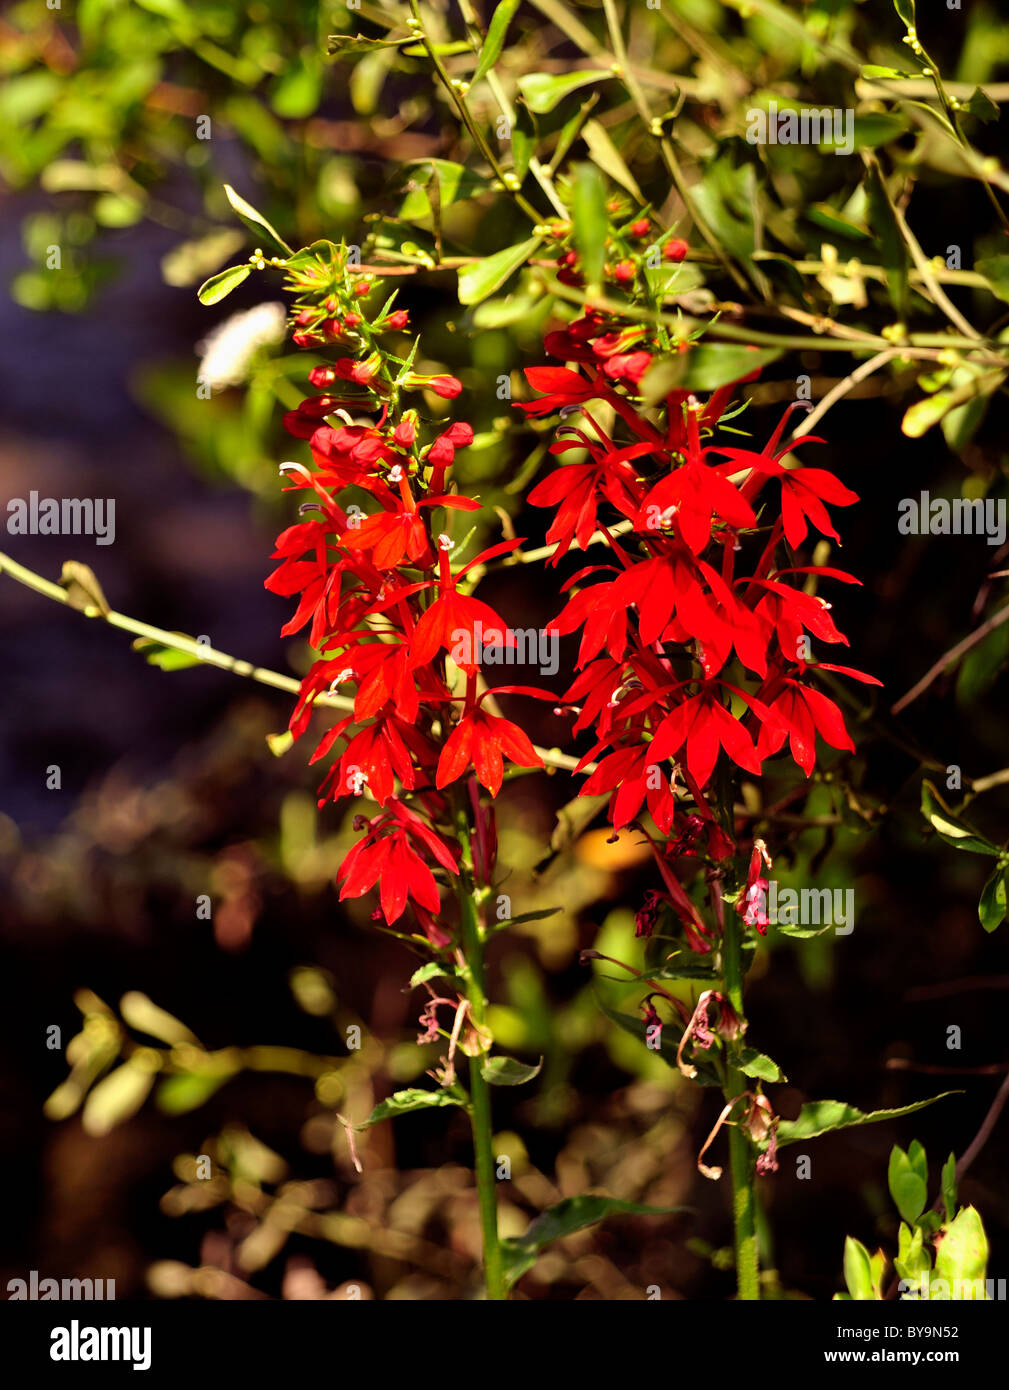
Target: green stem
<point x="480" y="1101"/>
<point x="178" y="642"/>
<point x="741" y="1160"/>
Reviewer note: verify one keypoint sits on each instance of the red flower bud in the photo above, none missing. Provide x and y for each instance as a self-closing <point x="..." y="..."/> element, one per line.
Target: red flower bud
<point x="675" y="250"/>
<point x="322" y="377"/>
<point x="398" y="321"/>
<point x="641" y="228"/>
<point x="625" y="272"/>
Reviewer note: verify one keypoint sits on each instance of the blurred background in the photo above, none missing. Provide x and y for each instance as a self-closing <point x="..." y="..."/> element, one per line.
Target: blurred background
<point x="168" y="788"/>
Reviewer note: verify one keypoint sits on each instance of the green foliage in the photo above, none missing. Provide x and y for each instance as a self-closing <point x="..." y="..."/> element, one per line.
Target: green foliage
<point x="568" y="1216"/>
<point x="957" y="1245"/>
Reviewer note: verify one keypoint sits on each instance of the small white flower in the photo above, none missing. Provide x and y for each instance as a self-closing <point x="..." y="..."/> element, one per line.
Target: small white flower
<point x="227" y="352"/>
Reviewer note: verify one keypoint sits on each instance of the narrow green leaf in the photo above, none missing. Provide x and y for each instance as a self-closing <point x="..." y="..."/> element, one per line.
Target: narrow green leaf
<point x="949" y="1186"/>
<point x="905" y="10"/>
<point x="253" y="219"/>
<point x="350" y="45"/>
<point x="496" y="34"/>
<point x="876" y="70"/>
<point x="164" y="657"/>
<point x="588" y="211"/>
<point x="606" y="155"/>
<point x="823" y="1116"/>
<point x="478" y="281"/>
<point x="953" y="831"/>
<point x="506" y="1071"/>
<point x="219" y="286"/>
<point x="571" y="1215"/>
<point x="542" y="91"/>
<point x="404" y="1102"/>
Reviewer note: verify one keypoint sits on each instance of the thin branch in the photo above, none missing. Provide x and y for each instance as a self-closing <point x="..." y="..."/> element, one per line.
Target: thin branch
<point x="948" y="658"/>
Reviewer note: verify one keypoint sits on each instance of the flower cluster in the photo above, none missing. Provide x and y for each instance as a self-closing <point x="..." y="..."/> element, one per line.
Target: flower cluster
<point x="696" y="627"/>
<point x="388" y="614"/>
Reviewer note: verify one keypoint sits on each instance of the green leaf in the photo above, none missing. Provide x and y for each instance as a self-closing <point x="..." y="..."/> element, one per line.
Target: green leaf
<point x="254" y="220"/>
<point x="995" y="270"/>
<point x="953" y="831"/>
<point x="506" y="1071"/>
<point x="858" y="1271"/>
<point x="164" y="657"/>
<point x="752" y="1063"/>
<point x="219" y="286"/>
<point x="963" y="1250"/>
<point x="478" y="281"/>
<point x="496" y="34"/>
<point x="823" y="1116"/>
<point x="905" y="10"/>
<point x="982" y="107"/>
<point x="876" y="70"/>
<point x="542" y="91"/>
<point x="536" y="916"/>
<point x="571" y="1215"/>
<point x="431" y="971"/>
<point x="991" y="908"/>
<point x="83" y="589"/>
<point x="606" y="155"/>
<point x="949" y="1186"/>
<point x="454" y="181"/>
<point x="591" y="224"/>
<point x="350" y="45"/>
<point x="524" y="138"/>
<point x="403" y="1102"/>
<point x="918" y="1159"/>
<point x="907" y="1187"/>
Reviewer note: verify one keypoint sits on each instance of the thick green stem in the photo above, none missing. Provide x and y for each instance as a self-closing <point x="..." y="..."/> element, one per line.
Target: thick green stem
<point x="741" y="1159"/>
<point x="480" y="1101"/>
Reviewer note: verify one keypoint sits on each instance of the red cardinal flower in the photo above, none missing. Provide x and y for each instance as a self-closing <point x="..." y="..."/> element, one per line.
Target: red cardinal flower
<point x="482" y="741"/>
